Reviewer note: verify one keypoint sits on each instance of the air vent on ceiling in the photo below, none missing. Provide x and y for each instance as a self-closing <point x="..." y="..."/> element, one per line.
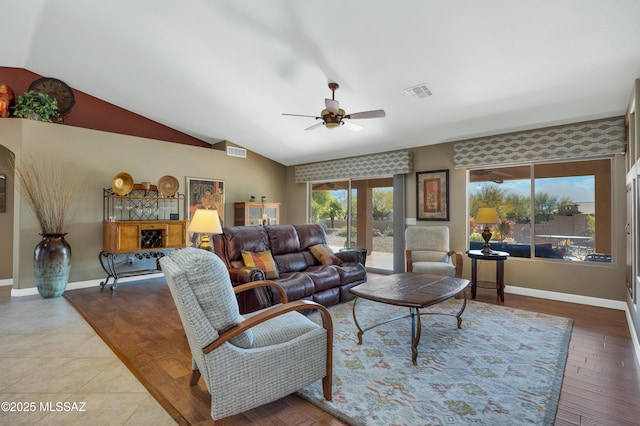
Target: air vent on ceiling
<point x="419" y="91"/>
<point x="233" y="151"/>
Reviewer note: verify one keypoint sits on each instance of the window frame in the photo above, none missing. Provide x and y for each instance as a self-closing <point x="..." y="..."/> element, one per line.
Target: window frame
<point x="569" y="164"/>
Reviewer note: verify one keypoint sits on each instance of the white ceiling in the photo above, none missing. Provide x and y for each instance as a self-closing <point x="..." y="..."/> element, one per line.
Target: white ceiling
<point x="228" y="69"/>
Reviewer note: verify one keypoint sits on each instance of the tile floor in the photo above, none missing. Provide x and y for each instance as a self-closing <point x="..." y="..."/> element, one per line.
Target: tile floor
<point x="58" y="371"/>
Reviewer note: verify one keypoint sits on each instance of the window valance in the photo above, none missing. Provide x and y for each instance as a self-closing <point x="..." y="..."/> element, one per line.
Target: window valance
<point x="579" y="140"/>
<point x="366" y="166"/>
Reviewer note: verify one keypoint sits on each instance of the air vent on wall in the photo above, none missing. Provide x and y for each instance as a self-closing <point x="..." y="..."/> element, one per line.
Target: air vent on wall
<point x="233" y="151"/>
<point x="419" y="91"/>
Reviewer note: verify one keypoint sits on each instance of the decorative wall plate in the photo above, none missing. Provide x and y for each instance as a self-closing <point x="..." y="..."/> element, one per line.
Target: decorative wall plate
<point x="168" y="185"/>
<point x="122" y="183"/>
<point x="58" y="90"/>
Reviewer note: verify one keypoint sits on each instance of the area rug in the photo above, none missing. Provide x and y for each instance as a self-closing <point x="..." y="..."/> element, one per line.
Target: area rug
<point x="503" y="367"/>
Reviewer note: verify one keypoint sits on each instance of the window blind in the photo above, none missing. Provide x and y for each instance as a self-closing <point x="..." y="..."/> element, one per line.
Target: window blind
<point x="367" y="166"/>
<point x="579" y="140"/>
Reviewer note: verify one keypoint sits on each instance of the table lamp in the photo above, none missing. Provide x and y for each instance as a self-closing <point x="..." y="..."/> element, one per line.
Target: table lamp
<point x="487" y="216"/>
<point x="205" y="222"/>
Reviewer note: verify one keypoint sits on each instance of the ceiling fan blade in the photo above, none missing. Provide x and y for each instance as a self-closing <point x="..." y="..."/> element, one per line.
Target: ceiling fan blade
<point x="366" y="114"/>
<point x="353" y="126"/>
<point x="315" y="126"/>
<point x="333" y="106"/>
<point x="302" y="115"/>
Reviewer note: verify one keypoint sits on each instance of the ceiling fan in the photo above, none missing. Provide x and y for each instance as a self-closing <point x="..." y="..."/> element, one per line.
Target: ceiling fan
<point x="491" y="175"/>
<point x="333" y="116"/>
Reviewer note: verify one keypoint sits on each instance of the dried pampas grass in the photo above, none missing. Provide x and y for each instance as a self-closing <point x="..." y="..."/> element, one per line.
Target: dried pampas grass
<point x="49" y="188"/>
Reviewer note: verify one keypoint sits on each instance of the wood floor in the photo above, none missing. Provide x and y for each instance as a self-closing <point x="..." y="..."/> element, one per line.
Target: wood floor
<point x="601" y="384"/>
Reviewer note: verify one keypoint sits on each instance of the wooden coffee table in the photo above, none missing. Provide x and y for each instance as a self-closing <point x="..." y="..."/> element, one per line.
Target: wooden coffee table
<point x="414" y="291"/>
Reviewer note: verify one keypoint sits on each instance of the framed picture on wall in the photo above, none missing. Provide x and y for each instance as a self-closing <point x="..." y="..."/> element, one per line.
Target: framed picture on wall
<point x="204" y="193"/>
<point x="432" y="189"/>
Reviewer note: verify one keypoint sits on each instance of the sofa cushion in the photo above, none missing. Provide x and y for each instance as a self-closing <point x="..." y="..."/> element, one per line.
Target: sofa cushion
<point x="248" y="238"/>
<point x="324" y="254"/>
<point x="310" y="259"/>
<point x="262" y="260"/>
<point x="283" y="239"/>
<point x="291" y="262"/>
<point x="323" y="277"/>
<point x="297" y="285"/>
<point x="328" y="297"/>
<point x="351" y="272"/>
<point x="310" y="234"/>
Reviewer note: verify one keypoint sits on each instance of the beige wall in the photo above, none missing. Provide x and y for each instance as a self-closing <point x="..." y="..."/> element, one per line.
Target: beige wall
<point x="593" y="280"/>
<point x="146" y="160"/>
<point x="106" y="154"/>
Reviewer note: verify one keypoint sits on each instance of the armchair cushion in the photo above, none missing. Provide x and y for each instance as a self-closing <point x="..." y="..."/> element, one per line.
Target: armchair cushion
<point x="262" y="260"/>
<point x="428" y="238"/>
<point x="213" y="292"/>
<point x="280" y="329"/>
<point x="324" y="254"/>
<point x="429" y="256"/>
<point x="435" y="268"/>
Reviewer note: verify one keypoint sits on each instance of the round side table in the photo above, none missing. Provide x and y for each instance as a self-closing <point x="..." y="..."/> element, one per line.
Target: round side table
<point x="497" y="256"/>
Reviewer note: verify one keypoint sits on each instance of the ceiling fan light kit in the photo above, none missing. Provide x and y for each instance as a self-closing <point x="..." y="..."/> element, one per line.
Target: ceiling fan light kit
<point x="333" y="116"/>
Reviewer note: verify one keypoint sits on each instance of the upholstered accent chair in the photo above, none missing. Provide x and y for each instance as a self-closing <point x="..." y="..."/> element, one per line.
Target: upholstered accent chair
<point x="428" y="252"/>
<point x="250" y="360"/>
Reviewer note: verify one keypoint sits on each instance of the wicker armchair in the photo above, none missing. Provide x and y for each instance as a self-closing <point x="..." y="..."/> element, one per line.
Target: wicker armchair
<point x="245" y="361"/>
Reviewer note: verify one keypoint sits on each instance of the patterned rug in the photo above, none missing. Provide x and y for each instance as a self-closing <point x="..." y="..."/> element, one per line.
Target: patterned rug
<point x="503" y="367"/>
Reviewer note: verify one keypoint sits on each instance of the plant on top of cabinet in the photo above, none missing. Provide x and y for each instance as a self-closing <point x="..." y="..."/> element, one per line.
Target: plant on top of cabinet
<point x="36" y="106"/>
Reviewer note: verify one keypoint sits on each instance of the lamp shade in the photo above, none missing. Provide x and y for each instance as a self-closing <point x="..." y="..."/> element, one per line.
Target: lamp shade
<point x="205" y="222"/>
<point x="487" y="215"/>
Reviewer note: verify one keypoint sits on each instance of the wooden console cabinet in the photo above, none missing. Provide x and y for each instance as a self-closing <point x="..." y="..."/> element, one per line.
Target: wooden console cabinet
<point x="139" y="226"/>
<point x="254" y="213"/>
<point x="127" y="236"/>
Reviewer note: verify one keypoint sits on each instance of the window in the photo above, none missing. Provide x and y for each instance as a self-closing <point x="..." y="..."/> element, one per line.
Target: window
<point x="357" y="214"/>
<point x="555" y="211"/>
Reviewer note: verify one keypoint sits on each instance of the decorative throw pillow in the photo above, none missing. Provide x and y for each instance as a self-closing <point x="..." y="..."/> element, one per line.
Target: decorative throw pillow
<point x="262" y="260"/>
<point x="325" y="255"/>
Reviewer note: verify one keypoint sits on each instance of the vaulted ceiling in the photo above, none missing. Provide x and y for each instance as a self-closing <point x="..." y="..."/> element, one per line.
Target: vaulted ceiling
<point x="228" y="69"/>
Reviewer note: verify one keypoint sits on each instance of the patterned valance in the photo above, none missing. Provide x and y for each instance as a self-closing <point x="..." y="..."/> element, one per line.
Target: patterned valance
<point x="367" y="166"/>
<point x="579" y="140"/>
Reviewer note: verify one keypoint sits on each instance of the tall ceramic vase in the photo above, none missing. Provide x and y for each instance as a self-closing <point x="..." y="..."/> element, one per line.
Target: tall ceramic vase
<point x="52" y="265"/>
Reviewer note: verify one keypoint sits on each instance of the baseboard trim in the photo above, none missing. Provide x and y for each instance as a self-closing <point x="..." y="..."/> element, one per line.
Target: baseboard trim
<point x="19" y="292"/>
<point x="6" y="282"/>
<point x="634" y="335"/>
<point x="566" y="297"/>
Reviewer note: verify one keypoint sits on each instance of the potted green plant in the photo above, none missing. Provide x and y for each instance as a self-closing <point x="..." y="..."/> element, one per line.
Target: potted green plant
<point x="36" y="106"/>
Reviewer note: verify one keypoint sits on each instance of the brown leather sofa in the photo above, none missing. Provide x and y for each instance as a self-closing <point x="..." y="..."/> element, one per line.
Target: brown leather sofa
<point x="300" y="274"/>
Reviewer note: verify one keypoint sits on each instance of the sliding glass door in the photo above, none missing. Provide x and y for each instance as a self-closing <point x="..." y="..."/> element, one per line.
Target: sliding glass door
<point x="357" y="214"/>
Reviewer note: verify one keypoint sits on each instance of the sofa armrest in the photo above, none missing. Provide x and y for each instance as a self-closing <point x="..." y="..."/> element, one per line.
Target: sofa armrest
<point x="350" y="256"/>
<point x="245" y="274"/>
